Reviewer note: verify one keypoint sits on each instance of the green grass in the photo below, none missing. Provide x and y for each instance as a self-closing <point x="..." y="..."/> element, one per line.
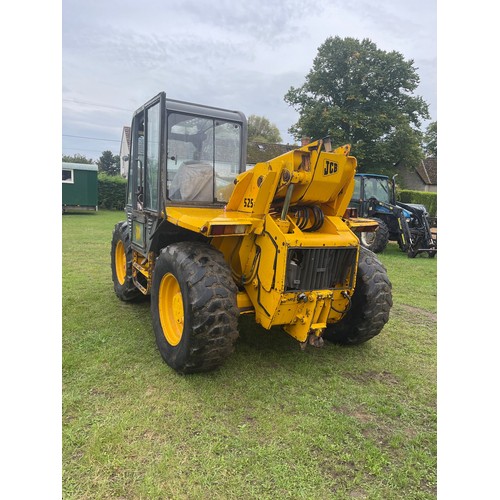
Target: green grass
<point x="273" y="422"/>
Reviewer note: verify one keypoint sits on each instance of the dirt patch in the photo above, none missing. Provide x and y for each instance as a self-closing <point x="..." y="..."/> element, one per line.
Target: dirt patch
<point x="373" y="376"/>
<point x="419" y="312"/>
<point x="358" y="493"/>
<point x="358" y="413"/>
<point x="373" y="428"/>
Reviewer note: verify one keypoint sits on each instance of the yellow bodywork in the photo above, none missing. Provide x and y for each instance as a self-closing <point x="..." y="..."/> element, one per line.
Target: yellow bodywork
<point x="258" y="232"/>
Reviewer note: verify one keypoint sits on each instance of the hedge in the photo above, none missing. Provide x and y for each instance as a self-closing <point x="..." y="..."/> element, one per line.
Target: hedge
<point x="429" y="200"/>
<point x="111" y="191"/>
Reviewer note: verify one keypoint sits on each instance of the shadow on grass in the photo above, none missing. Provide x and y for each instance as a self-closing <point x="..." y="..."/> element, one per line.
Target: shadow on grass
<point x="263" y="359"/>
<point x="260" y="355"/>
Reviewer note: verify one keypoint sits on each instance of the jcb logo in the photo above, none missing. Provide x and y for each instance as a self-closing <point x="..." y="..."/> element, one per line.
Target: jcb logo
<point x="330" y="167"/>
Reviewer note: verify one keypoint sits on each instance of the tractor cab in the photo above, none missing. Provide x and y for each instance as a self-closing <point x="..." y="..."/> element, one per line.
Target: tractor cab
<point x="182" y="155"/>
<point x="368" y="187"/>
<point x="201" y="150"/>
<point x="374" y="196"/>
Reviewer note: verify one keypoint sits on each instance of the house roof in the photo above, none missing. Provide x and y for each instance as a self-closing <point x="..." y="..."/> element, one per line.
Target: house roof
<point x="79" y="166"/>
<point x="261" y="151"/>
<point x="126" y="133"/>
<point x="427" y="170"/>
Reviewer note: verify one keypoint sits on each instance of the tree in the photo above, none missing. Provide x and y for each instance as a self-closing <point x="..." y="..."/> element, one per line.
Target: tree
<point x="76" y="158"/>
<point x="358" y="94"/>
<point x="108" y="163"/>
<point x="430" y="140"/>
<point x="260" y="129"/>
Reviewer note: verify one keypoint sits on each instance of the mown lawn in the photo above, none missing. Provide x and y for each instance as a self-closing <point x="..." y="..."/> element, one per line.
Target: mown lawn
<point x="273" y="422"/>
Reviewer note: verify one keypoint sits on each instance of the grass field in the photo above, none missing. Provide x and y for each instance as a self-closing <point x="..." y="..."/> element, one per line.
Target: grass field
<point x="274" y="422"/>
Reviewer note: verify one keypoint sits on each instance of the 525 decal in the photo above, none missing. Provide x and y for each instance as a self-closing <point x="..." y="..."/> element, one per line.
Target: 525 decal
<point x="248" y="202"/>
<point x="330" y="167"/>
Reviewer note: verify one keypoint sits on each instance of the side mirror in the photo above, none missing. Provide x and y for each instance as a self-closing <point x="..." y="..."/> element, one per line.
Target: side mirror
<point x="394" y="189"/>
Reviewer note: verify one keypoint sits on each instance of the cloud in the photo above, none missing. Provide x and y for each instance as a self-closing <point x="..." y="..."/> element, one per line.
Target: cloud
<point x="239" y="55"/>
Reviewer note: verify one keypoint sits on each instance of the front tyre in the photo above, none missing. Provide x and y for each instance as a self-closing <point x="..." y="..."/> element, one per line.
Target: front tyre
<point x="377" y="240"/>
<point x="371" y="304"/>
<point x="193" y="307"/>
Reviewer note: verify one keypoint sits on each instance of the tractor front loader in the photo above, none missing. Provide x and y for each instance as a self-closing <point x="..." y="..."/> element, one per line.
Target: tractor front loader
<point x="408" y="224"/>
<point x="208" y="240"/>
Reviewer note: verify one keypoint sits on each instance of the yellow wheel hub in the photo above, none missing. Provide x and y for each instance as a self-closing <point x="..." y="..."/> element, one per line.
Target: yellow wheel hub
<point x="120" y="262"/>
<point x="171" y="309"/>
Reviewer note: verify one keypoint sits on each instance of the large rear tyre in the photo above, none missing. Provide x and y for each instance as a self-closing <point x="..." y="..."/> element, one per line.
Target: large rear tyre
<point x="371" y="304"/>
<point x="193" y="306"/>
<point x="376" y="241"/>
<point x="121" y="264"/>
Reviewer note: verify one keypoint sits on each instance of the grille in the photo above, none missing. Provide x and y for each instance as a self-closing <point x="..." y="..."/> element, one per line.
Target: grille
<point x="320" y="268"/>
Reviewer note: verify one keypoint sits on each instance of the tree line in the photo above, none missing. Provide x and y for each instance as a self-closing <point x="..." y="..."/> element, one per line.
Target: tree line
<point x="108" y="163"/>
<point x="356" y="94"/>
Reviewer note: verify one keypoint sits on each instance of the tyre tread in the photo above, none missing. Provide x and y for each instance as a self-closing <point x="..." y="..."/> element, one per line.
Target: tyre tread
<point x="214" y="321"/>
<point x="371" y="304"/>
<point x="381" y="237"/>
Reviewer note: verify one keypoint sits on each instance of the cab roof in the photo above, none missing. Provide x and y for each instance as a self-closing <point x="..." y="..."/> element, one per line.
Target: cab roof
<point x="379" y="176"/>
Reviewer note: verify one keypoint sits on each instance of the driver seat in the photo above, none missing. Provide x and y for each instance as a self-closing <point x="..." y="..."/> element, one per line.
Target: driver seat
<point x="194" y="181"/>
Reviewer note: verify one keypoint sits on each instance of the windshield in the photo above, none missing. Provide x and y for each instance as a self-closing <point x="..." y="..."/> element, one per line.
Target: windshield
<point x="203" y="158"/>
<point x="378" y="188"/>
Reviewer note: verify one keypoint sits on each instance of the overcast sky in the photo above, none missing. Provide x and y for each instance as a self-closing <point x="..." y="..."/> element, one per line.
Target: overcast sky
<point x="117" y="54"/>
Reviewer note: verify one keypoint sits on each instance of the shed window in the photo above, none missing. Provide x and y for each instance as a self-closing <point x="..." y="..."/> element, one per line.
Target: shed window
<point x="67" y="176"/>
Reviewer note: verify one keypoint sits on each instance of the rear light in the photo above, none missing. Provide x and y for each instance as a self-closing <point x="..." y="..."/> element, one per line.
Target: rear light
<point x="351" y="213"/>
<point x="222" y="230"/>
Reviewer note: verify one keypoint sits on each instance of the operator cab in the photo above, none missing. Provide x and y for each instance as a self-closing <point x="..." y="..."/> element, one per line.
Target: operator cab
<point x="377" y="187"/>
<point x="368" y="186"/>
<point x="184" y="153"/>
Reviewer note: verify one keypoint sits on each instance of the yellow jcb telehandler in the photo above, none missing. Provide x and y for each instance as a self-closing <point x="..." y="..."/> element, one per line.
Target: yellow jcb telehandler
<point x="209" y="240"/>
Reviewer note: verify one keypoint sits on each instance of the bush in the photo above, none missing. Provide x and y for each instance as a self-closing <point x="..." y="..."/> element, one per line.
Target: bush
<point x="429" y="200"/>
<point x="111" y="191"/>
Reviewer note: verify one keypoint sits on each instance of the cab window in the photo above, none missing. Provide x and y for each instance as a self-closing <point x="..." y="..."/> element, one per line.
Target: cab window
<point x="203" y="157"/>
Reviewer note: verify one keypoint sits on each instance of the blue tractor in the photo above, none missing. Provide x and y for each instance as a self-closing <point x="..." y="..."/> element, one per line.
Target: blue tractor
<point x="374" y="197"/>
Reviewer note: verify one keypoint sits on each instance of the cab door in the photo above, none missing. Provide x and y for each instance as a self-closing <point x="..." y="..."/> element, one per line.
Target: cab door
<point x="145" y="199"/>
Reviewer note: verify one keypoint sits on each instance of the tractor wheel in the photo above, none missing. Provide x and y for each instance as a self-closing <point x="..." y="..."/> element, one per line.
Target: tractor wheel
<point x="193" y="306"/>
<point x="376" y="241"/>
<point x="121" y="264"/>
<point x="371" y="303"/>
<point x="412" y="253"/>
